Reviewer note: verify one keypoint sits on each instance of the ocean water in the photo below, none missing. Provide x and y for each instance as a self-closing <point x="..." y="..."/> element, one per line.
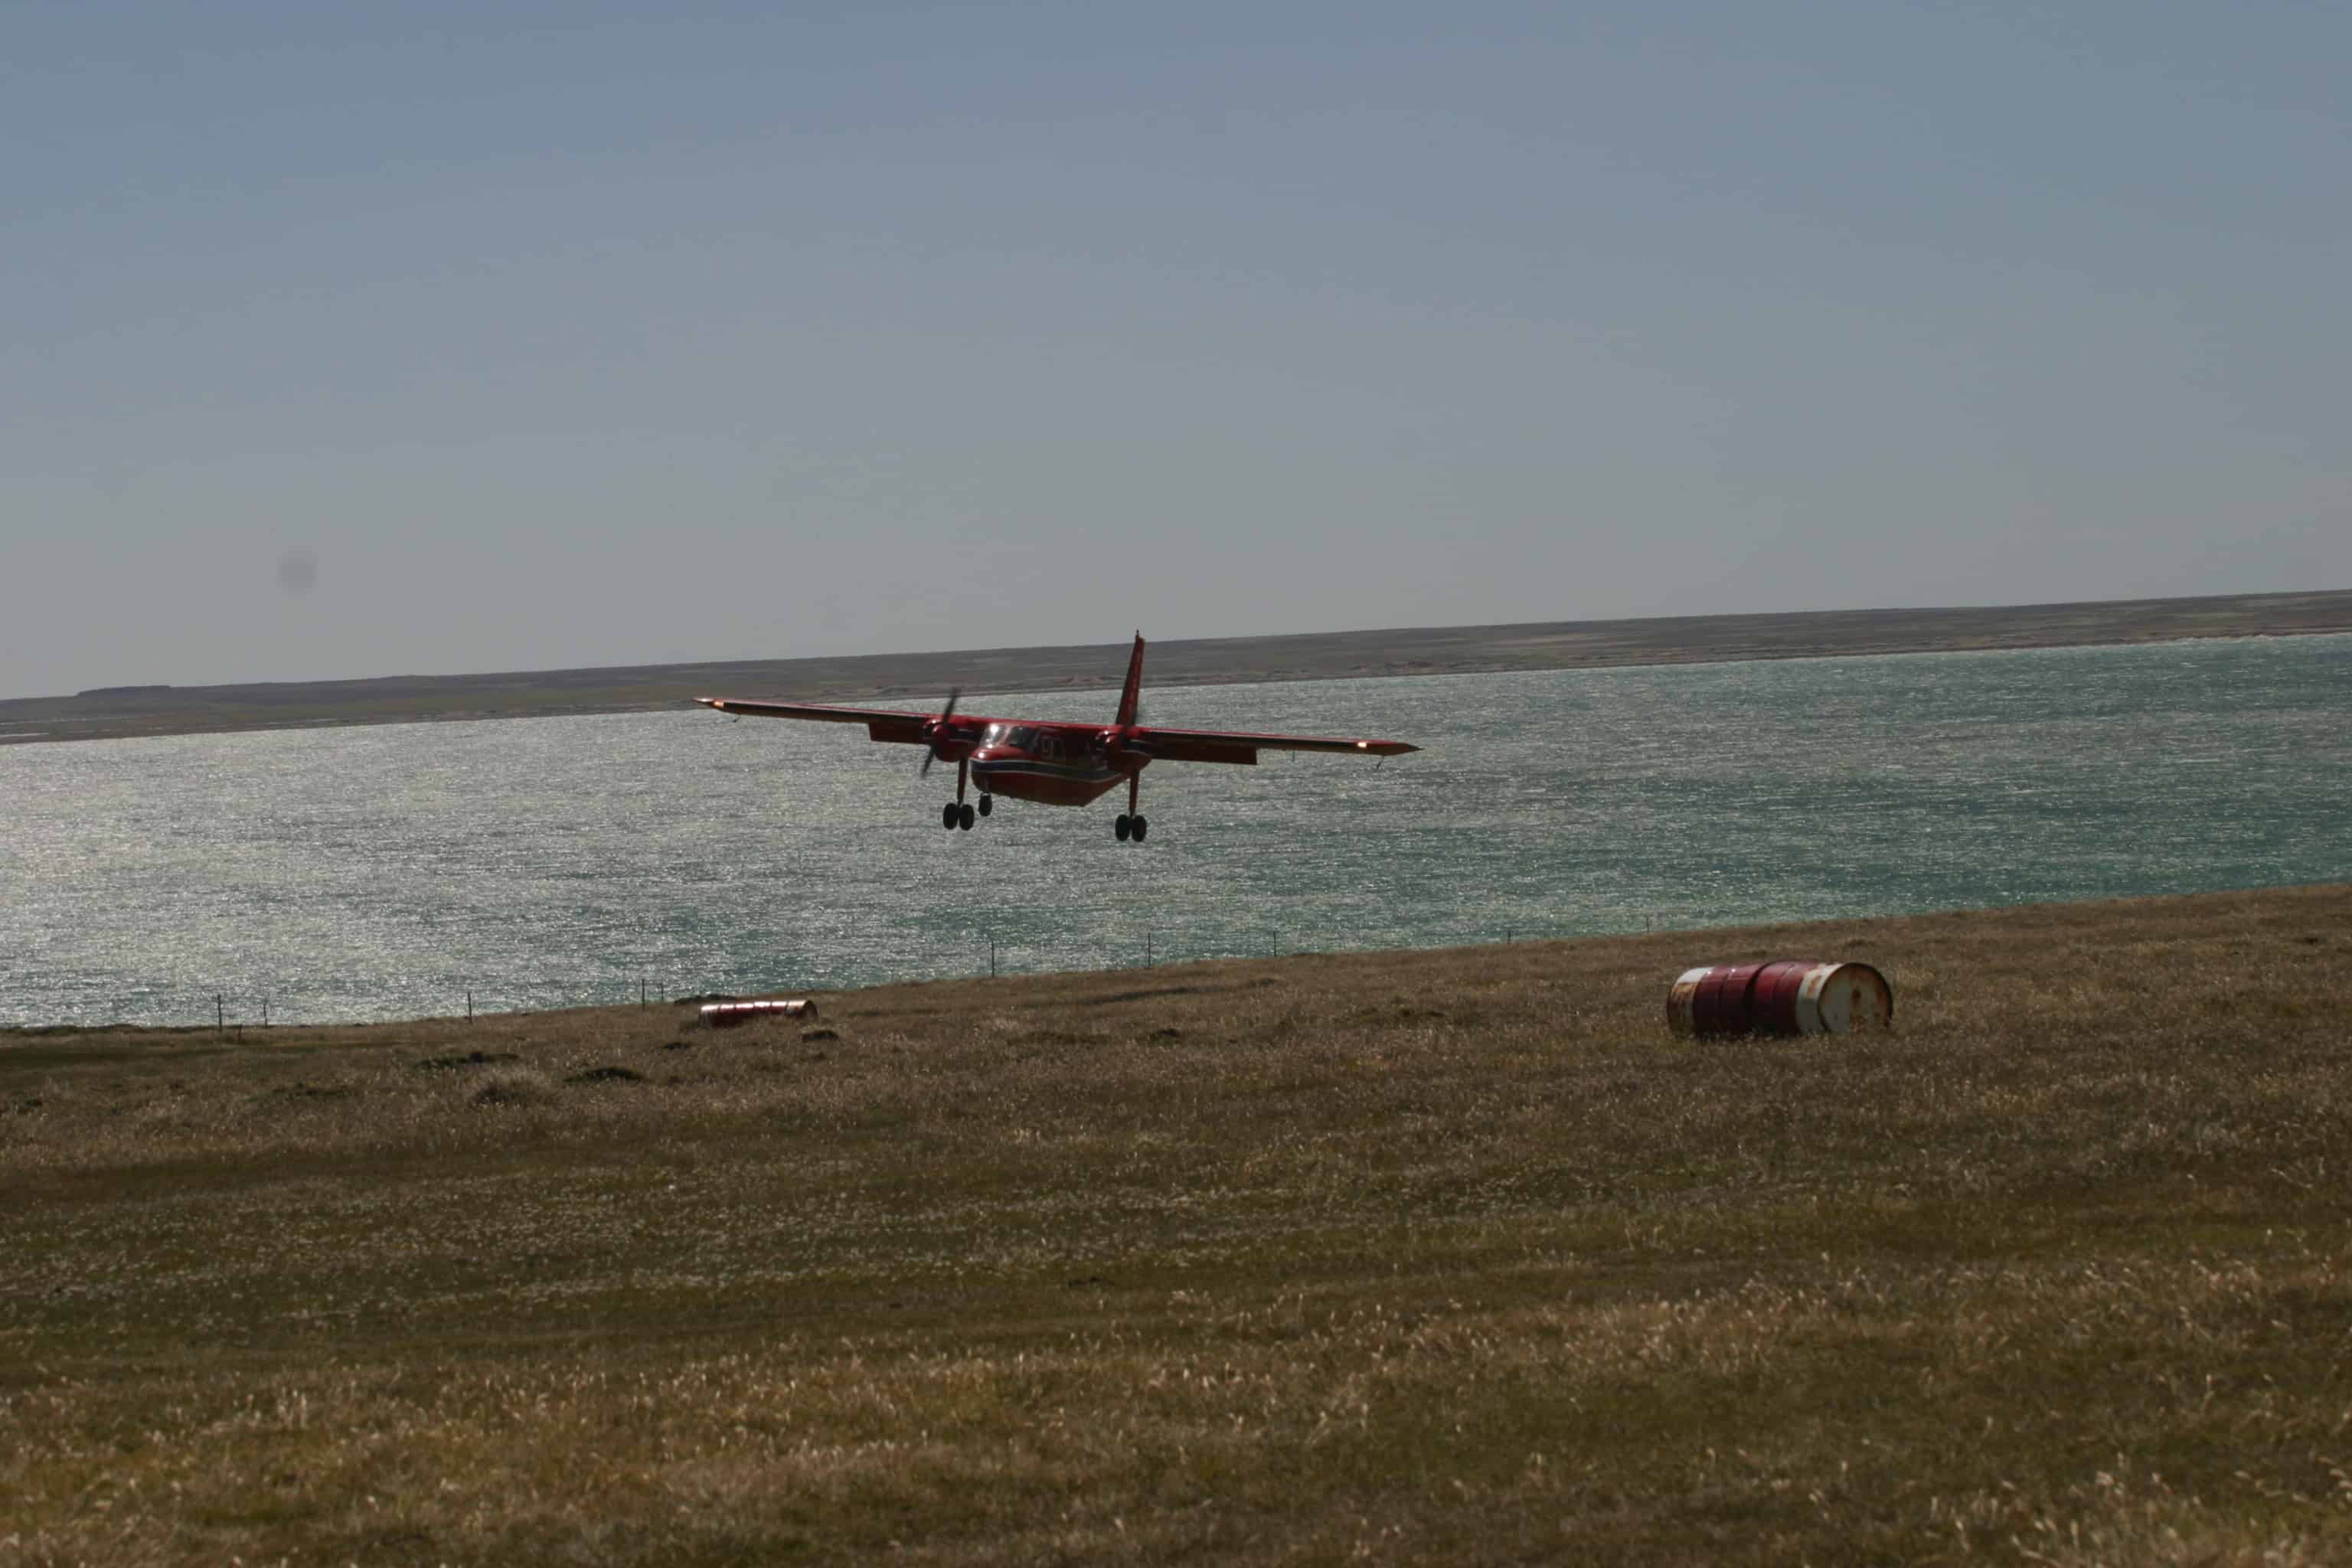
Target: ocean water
<point x="386" y="872"/>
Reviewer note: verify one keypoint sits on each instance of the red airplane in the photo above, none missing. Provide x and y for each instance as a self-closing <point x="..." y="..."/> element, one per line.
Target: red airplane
<point x="1052" y="763"/>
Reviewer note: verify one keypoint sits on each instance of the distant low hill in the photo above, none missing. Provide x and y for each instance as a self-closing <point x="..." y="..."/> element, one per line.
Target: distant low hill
<point x="1315" y="656"/>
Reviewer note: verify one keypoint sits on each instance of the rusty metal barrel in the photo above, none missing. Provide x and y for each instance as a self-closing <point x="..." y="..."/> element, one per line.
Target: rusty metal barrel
<point x="727" y="1014"/>
<point x="1786" y="996"/>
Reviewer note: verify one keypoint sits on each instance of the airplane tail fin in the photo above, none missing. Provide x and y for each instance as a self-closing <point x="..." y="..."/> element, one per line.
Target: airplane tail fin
<point x="1133" y="692"/>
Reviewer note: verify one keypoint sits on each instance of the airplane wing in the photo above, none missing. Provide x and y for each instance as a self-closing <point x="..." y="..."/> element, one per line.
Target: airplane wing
<point x="881" y="723"/>
<point x="1238" y="747"/>
<point x="1168" y="746"/>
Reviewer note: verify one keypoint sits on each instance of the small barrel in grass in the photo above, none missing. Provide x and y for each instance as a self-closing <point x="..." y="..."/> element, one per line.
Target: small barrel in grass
<point x="1773" y="1008"/>
<point x="1786" y="996"/>
<point x="1844" y="999"/>
<point x="727" y="1014"/>
<point x="1726" y="1000"/>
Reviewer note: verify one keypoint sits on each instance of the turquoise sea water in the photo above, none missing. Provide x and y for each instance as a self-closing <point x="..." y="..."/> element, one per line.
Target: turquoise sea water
<point x="383" y="873"/>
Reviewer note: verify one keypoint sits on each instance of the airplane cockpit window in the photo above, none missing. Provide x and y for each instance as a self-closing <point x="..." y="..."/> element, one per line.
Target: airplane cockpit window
<point x="993" y="735"/>
<point x="1024" y="736"/>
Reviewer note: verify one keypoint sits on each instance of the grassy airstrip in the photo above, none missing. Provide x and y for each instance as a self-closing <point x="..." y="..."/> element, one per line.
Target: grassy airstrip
<point x="1424" y="1257"/>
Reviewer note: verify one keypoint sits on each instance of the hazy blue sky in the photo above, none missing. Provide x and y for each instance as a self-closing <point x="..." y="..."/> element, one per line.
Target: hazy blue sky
<point x="566" y="335"/>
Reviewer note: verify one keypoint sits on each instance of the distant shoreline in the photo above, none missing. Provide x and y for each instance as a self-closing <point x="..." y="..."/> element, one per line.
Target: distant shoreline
<point x="135" y="711"/>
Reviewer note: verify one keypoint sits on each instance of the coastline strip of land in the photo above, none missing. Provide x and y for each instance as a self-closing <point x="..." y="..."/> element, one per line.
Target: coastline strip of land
<point x="163" y="710"/>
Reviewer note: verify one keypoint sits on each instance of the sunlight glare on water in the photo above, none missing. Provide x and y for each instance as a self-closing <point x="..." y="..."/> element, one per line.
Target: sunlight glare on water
<point x="368" y="873"/>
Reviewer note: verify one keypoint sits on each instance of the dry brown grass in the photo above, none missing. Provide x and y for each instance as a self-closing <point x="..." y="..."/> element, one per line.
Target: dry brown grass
<point x="1435" y="1257"/>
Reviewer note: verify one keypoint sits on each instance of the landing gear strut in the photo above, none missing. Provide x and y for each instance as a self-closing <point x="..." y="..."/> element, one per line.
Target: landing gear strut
<point x="958" y="813"/>
<point x="1131" y="823"/>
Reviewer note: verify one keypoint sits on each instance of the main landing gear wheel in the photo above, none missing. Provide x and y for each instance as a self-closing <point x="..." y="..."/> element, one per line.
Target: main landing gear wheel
<point x="964" y="817"/>
<point x="1127" y="827"/>
<point x="986" y="801"/>
<point x="947" y="814"/>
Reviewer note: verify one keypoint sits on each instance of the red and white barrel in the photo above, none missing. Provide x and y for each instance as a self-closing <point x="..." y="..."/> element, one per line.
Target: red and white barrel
<point x="1681" y="1000"/>
<point x="1774" y="1011"/>
<point x="1844" y="999"/>
<point x="727" y="1014"/>
<point x="1787" y="996"/>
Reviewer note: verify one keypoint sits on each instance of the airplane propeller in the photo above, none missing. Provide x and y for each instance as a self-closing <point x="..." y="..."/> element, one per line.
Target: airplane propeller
<point x="935" y="729"/>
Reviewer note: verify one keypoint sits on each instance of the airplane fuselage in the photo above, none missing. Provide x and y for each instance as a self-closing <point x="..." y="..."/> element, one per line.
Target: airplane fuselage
<point x="1052" y="764"/>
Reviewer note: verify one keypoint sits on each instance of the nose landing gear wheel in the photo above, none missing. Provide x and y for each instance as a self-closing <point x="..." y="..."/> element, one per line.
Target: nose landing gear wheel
<point x="1122" y="826"/>
<point x="986" y="801"/>
<point x="964" y="817"/>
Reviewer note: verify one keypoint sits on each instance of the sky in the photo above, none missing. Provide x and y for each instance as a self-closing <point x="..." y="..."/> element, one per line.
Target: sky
<point x="433" y="338"/>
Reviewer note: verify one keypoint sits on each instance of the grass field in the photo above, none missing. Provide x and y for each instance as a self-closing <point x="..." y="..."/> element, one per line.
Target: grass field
<point x="1444" y="1256"/>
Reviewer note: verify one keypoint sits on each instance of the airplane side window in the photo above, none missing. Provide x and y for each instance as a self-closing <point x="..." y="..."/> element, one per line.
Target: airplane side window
<point x="1022" y="736"/>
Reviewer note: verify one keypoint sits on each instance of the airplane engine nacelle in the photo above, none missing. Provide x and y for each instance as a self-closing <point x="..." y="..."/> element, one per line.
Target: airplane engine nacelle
<point x="1110" y="745"/>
